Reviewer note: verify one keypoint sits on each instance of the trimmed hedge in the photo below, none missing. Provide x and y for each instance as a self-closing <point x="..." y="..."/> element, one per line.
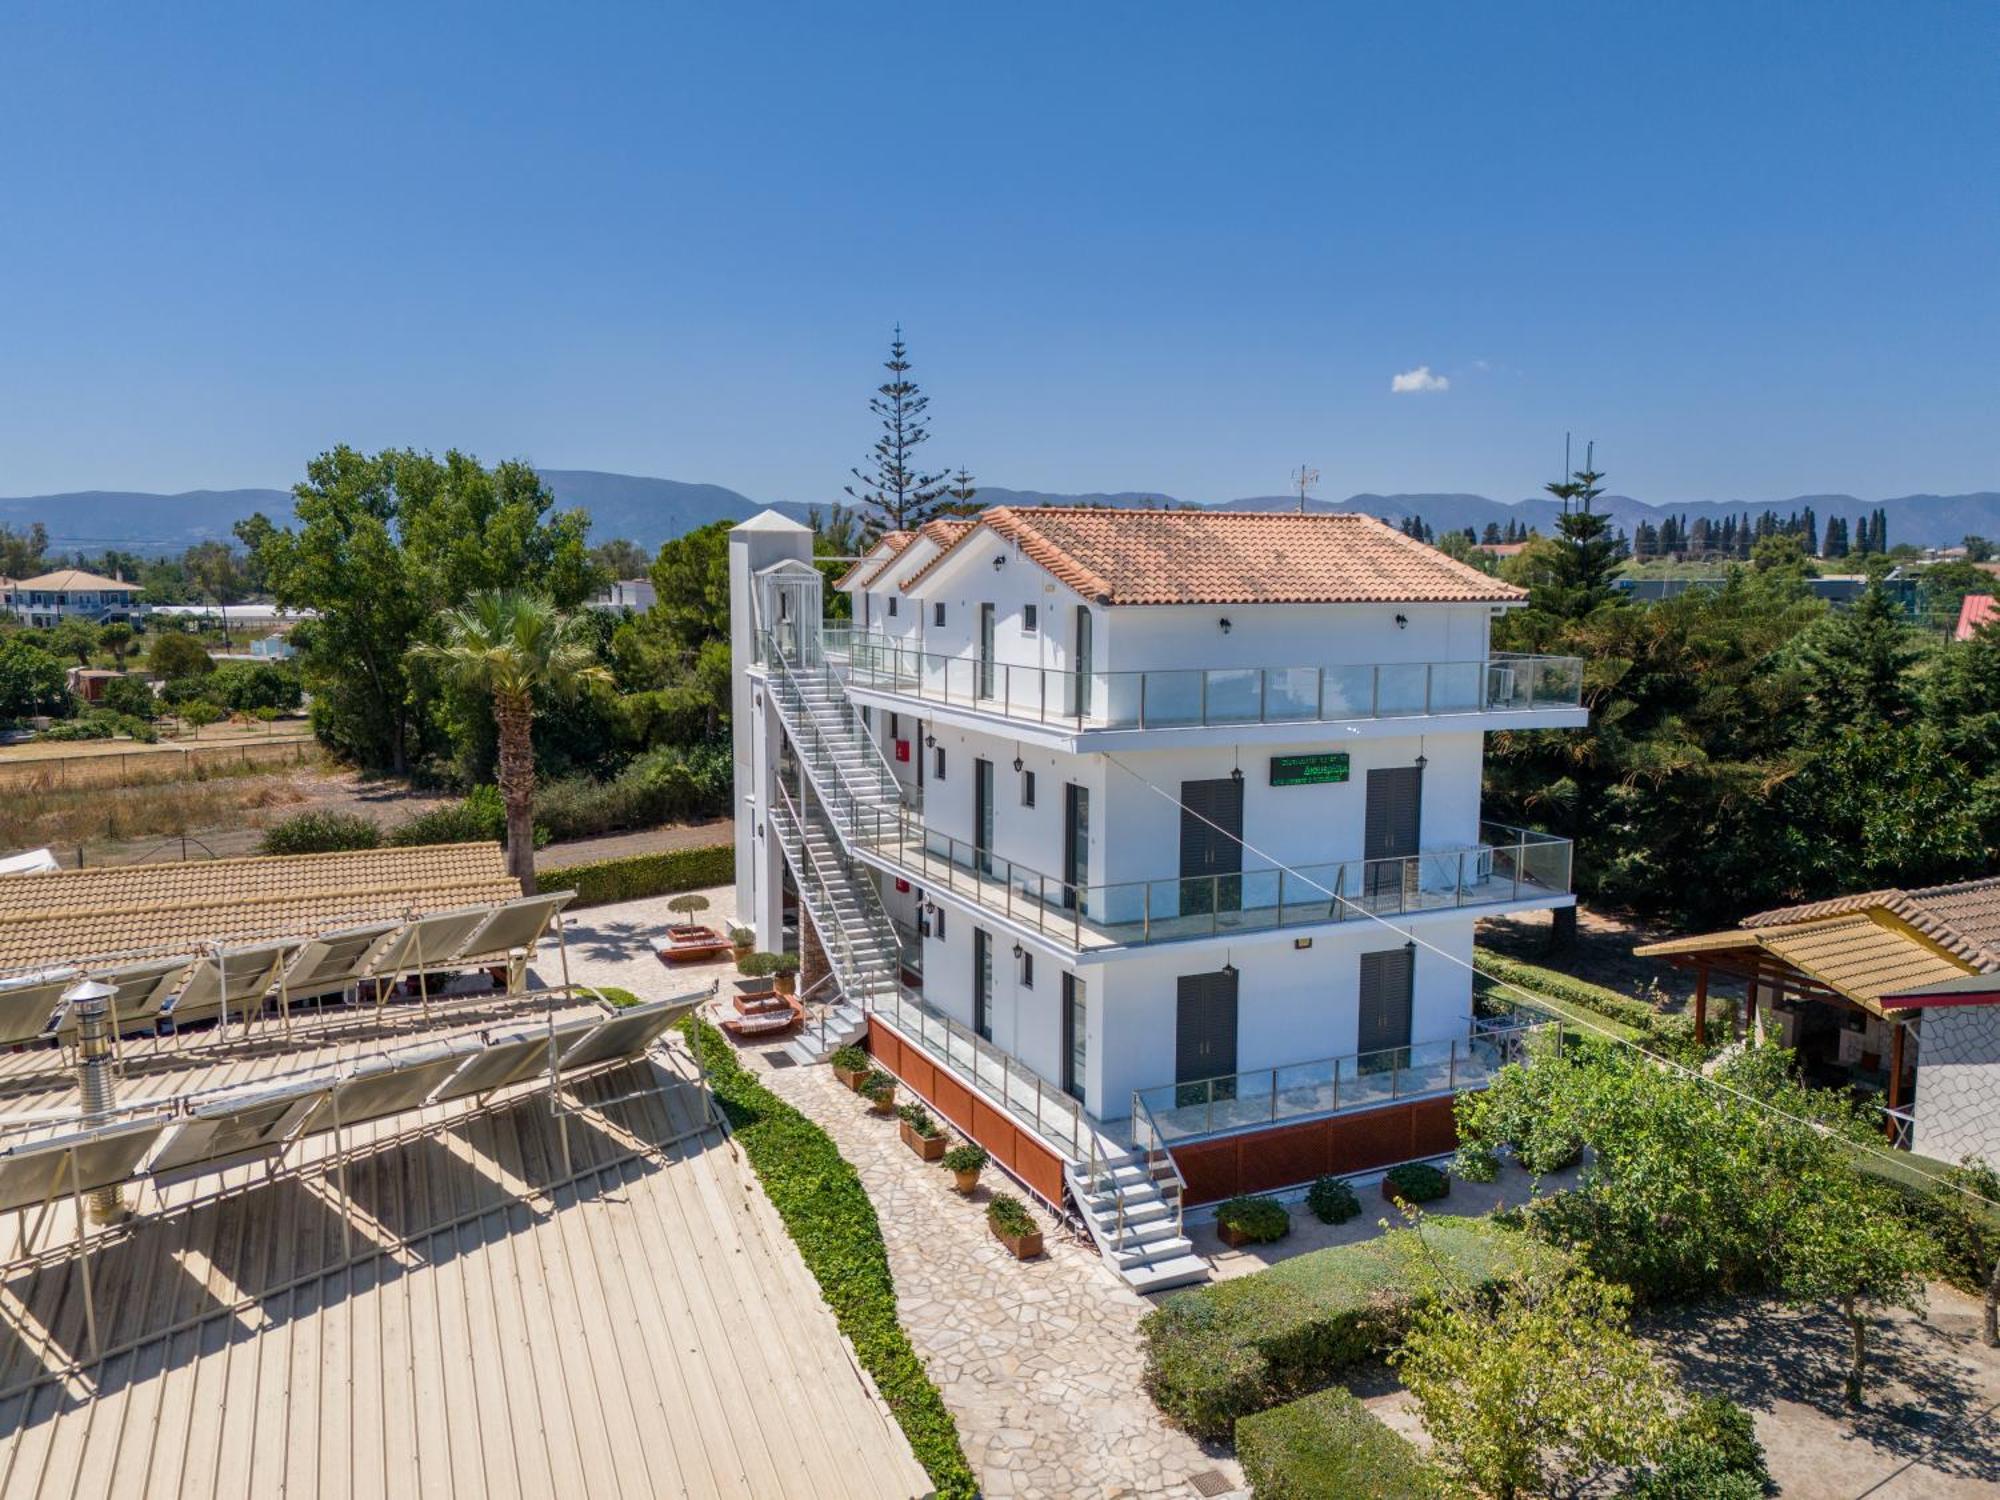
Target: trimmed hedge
<point x="1416" y="1182"/>
<point x="1624" y="1012"/>
<point x="1258" y="1218"/>
<point x="1223" y="1351"/>
<point x="827" y="1213"/>
<point x="1332" y="1200"/>
<point x="633" y="876"/>
<point x="1325" y="1445"/>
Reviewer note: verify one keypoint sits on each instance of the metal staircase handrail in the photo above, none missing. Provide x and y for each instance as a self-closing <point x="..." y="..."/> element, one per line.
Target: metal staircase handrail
<point x="877" y="915"/>
<point x="813" y="894"/>
<point x="887" y="782"/>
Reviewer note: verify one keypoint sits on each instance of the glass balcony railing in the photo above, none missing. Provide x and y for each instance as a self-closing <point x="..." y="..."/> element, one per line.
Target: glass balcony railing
<point x="1173" y="698"/>
<point x="1172" y="1113"/>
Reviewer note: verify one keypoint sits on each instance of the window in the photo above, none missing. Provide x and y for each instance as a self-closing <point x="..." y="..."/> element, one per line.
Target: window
<point x="1027" y="789"/>
<point x="940" y="924"/>
<point x="937" y="763"/>
<point x="937" y="614"/>
<point x="982" y="982"/>
<point x="866" y="600"/>
<point x="1027" y="969"/>
<point x="866" y="720"/>
<point x="1030" y="618"/>
<point x="895" y="725"/>
<point x="892" y="606"/>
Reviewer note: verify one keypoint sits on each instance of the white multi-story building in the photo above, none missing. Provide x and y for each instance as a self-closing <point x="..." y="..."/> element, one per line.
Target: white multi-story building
<point x="69" y="593"/>
<point x="1146" y="845"/>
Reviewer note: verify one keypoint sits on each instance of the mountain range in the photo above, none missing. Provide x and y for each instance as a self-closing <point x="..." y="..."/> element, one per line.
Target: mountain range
<point x="649" y="511"/>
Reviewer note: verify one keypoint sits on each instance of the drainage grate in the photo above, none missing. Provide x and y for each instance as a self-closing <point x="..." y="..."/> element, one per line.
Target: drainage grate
<point x="777" y="1057"/>
<point x="1211" y="1482"/>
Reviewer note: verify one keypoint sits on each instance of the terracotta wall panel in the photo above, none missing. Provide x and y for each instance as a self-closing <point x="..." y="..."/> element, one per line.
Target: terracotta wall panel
<point x="1342" y="1145"/>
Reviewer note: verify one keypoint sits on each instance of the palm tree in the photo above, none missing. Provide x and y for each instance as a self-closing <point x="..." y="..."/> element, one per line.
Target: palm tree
<point x="513" y="645"/>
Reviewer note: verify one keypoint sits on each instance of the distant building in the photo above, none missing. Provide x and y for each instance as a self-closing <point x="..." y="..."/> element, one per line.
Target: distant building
<point x="1500" y="549"/>
<point x="69" y="593"/>
<point x="630" y="596"/>
<point x="87" y="684"/>
<point x="1974" y="611"/>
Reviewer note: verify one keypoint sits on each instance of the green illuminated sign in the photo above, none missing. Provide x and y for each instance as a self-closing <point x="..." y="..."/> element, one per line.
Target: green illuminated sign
<point x="1308" y="770"/>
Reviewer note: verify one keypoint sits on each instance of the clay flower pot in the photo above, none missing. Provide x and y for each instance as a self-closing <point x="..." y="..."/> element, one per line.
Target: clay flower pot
<point x="851" y="1076"/>
<point x="1022" y="1246"/>
<point x="884" y="1102"/>
<point x="965" y="1182"/>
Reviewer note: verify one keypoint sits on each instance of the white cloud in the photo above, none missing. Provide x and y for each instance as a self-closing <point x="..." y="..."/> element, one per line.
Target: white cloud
<point x="1418" y="381"/>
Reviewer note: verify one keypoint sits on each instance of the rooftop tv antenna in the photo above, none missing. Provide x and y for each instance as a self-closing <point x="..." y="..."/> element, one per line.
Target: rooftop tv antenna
<point x="1304" y="478"/>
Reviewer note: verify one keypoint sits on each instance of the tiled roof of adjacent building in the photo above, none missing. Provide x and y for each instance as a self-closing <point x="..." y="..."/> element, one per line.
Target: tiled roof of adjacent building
<point x="943" y="534"/>
<point x="66" y="579"/>
<point x="1975" y="610"/>
<point x="137" y="911"/>
<point x="1963" y="918"/>
<point x="875" y="558"/>
<point x="1234" y="557"/>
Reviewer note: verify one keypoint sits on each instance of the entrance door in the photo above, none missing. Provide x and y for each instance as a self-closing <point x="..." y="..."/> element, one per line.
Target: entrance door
<point x="1075" y="1047"/>
<point x="1076" y="845"/>
<point x="1386" y="981"/>
<point x="985" y="684"/>
<point x="1211" y="846"/>
<point x="982" y="815"/>
<point x="982" y="982"/>
<point x="1083" y="662"/>
<point x="1395" y="814"/>
<point x="1205" y="1036"/>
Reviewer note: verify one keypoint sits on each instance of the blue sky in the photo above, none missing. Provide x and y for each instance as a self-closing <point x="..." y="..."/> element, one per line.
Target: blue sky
<point x="1751" y="249"/>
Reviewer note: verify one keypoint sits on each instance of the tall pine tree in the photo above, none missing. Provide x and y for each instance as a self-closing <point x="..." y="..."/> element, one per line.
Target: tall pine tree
<point x="894" y="494"/>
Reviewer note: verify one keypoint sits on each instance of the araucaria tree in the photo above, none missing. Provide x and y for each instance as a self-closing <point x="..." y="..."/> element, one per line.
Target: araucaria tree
<point x="893" y="492"/>
<point x="514" y="646"/>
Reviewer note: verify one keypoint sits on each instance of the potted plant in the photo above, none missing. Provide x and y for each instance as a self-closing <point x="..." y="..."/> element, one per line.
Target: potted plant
<point x="1414" y="1182"/>
<point x="742" y="939"/>
<point x="1013" y="1226"/>
<point x="685" y="906"/>
<point x="785" y="972"/>
<point x="920" y="1132"/>
<point x="964" y="1162"/>
<point x="850" y="1066"/>
<point x="1252" y="1220"/>
<point x="879" y="1089"/>
<point x="1332" y="1201"/>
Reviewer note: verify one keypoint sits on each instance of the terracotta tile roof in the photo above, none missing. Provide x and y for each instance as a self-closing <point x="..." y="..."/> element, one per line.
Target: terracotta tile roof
<point x="1975" y="610"/>
<point x="1234" y="557"/>
<point x="942" y="535"/>
<point x="135" y="911"/>
<point x="1963" y="918"/>
<point x="75" y="578"/>
<point x="875" y="558"/>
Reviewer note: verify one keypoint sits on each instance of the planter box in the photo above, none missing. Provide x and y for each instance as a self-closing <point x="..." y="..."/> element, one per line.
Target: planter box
<point x="1022" y="1246"/>
<point x="927" y="1147"/>
<point x="1236" y="1239"/>
<point x="851" y="1076"/>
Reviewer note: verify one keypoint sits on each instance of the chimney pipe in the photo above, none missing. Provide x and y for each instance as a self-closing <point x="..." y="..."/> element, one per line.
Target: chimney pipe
<point x="92" y="1003"/>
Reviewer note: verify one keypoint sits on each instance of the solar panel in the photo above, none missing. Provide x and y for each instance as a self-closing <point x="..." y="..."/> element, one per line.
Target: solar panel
<point x="334" y="960"/>
<point x="245" y="1124"/>
<point x="430" y="940"/>
<point x="28" y="1002"/>
<point x="141" y="991"/>
<point x="517" y="924"/>
<point x="105" y="1156"/>
<point x="627" y="1034"/>
<point x="388" y="1086"/>
<point x="509" y="1059"/>
<point x="229" y="980"/>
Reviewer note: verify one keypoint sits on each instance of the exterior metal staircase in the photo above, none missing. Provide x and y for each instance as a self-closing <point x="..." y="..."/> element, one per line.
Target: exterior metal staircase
<point x="861" y="944"/>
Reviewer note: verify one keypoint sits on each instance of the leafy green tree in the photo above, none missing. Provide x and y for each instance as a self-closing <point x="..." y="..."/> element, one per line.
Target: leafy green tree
<point x="1969" y="1233"/>
<point x="217" y="575"/>
<point x="1946" y="584"/>
<point x="31" y="680"/>
<point x="1979" y="549"/>
<point x="1541" y="1376"/>
<point x="1856" y="663"/>
<point x="894" y="493"/>
<point x="115" y="636"/>
<point x="619" y="559"/>
<point x="199" y="713"/>
<point x="74" y="636"/>
<point x="23" y="554"/>
<point x="691" y="589"/>
<point x="513" y="646"/>
<point x="383" y="545"/>
<point x="174" y="655"/>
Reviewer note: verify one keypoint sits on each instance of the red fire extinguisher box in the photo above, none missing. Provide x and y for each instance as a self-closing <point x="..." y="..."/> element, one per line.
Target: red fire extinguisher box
<point x="903" y="751"/>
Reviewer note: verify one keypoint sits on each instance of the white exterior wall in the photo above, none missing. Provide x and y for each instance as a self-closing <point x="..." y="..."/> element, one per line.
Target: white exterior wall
<point x="763" y="541"/>
<point x="1958" y="1083"/>
<point x="1157" y="637"/>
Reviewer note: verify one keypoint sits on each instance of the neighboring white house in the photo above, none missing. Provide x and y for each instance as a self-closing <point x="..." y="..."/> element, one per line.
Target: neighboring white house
<point x="69" y="592"/>
<point x="1121" y="828"/>
<point x="632" y="596"/>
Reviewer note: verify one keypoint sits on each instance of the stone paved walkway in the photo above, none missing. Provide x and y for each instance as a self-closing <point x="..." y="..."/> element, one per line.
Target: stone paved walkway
<point x="1038" y="1360"/>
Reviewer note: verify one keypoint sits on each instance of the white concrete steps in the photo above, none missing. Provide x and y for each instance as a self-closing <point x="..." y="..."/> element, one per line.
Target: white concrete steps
<point x="1135" y="1224"/>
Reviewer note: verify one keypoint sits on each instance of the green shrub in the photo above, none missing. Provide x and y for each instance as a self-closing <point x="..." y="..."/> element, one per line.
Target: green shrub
<point x="633" y="876"/>
<point x="919" y="1120"/>
<point x="1256" y="1217"/>
<point x="1476" y="1163"/>
<point x="320" y="833"/>
<point x="623" y="999"/>
<point x="132" y="696"/>
<point x="1416" y="1182"/>
<point x="246" y="686"/>
<point x="481" y="818"/>
<point x="1325" y="1445"/>
<point x="1510" y="1112"/>
<point x="1009" y="1215"/>
<point x="827" y="1212"/>
<point x="876" y="1084"/>
<point x="741" y="937"/>
<point x="666" y="785"/>
<point x="1332" y="1201"/>
<point x="849" y="1059"/>
<point x="1713" y="1455"/>
<point x="173" y="655"/>
<point x="1220" y="1352"/>
<point x="94" y="727"/>
<point x="965" y="1159"/>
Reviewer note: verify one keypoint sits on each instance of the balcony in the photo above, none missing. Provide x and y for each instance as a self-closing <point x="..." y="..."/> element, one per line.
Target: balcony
<point x="1175" y="1113"/>
<point x="1205" y="697"/>
<point x="1508" y="866"/>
